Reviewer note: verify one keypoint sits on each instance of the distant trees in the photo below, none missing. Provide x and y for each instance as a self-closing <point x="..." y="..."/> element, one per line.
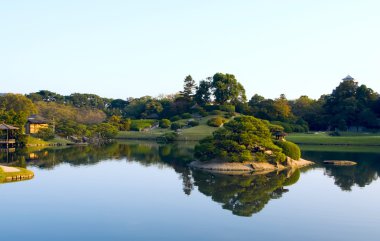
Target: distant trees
<point x="350" y="105"/>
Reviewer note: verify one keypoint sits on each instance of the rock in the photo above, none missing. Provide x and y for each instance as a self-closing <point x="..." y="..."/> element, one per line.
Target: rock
<point x="339" y="162"/>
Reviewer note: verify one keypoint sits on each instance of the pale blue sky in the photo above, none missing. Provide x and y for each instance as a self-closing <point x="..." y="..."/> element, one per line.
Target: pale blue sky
<point x="133" y="48"/>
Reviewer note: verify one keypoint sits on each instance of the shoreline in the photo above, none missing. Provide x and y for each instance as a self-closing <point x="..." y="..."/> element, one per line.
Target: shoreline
<point x="232" y="168"/>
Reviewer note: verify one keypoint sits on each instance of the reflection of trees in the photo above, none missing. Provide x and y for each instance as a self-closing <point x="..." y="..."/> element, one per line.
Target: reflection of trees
<point x="244" y="195"/>
<point x="146" y="153"/>
<point x="364" y="173"/>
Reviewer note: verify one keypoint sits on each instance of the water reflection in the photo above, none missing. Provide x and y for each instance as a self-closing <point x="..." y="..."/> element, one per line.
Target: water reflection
<point x="346" y="177"/>
<point x="242" y="195"/>
<point x="245" y="195"/>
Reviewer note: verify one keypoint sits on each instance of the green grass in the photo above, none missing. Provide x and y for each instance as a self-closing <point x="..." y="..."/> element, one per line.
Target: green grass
<point x="188" y="134"/>
<point x="322" y="138"/>
<point x="341" y="148"/>
<point x="33" y="141"/>
<point x="22" y="172"/>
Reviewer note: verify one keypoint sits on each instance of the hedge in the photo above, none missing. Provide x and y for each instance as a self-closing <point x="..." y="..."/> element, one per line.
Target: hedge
<point x="289" y="149"/>
<point x="165" y="123"/>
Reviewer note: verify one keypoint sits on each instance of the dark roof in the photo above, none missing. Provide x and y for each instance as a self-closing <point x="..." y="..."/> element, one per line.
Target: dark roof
<point x="7" y="127"/>
<point x="348" y="77"/>
<point x="36" y="119"/>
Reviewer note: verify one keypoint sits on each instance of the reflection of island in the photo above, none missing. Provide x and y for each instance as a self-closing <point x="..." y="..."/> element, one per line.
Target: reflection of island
<point x="244" y="195"/>
<point x="364" y="173"/>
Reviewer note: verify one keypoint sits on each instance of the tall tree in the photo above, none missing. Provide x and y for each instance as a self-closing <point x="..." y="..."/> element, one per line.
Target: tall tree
<point x="227" y="89"/>
<point x="189" y="87"/>
<point x="203" y="93"/>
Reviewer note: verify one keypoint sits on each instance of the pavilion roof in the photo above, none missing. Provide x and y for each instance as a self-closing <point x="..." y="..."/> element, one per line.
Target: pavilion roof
<point x="348" y="77"/>
<point x="4" y="126"/>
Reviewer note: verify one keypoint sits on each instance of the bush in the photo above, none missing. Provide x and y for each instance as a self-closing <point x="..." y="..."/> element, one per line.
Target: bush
<point x="175" y="126"/>
<point x="165" y="123"/>
<point x="227" y="108"/>
<point x="203" y="113"/>
<point x="138" y="125"/>
<point x="216" y="112"/>
<point x="186" y="116"/>
<point x="229" y="115"/>
<point x="193" y="123"/>
<point x="216" y="121"/>
<point x="45" y="134"/>
<point x="289" y="149"/>
<point x="175" y="118"/>
<point x="170" y="136"/>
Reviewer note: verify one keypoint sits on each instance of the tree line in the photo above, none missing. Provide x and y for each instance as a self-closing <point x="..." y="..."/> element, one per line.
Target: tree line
<point x="349" y="106"/>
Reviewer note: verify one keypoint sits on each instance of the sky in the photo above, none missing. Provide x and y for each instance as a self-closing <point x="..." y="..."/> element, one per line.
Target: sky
<point x="121" y="49"/>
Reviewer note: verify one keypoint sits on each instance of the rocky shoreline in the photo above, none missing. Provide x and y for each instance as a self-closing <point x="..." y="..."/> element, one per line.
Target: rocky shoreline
<point x="238" y="168"/>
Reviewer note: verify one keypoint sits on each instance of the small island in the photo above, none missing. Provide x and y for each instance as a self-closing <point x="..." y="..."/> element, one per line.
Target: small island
<point x="11" y="174"/>
<point x="246" y="144"/>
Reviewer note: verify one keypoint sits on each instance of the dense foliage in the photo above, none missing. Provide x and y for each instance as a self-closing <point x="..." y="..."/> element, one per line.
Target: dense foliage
<point x="216" y="121"/>
<point x="289" y="149"/>
<point x="244" y="138"/>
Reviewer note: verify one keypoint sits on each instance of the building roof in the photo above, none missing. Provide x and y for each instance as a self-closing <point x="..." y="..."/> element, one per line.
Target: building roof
<point x="36" y="119"/>
<point x="348" y="77"/>
<point x="7" y="127"/>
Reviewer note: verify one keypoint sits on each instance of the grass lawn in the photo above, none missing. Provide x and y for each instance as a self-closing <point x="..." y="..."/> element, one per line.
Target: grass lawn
<point x="321" y="138"/>
<point x="33" y="141"/>
<point x="187" y="134"/>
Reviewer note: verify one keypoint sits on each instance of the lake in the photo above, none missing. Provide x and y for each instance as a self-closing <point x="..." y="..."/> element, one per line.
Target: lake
<point x="145" y="191"/>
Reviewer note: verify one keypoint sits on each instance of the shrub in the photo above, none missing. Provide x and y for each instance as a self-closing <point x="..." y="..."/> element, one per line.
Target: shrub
<point x="216" y="112"/>
<point x="175" y="126"/>
<point x="45" y="134"/>
<point x="289" y="149"/>
<point x="227" y="108"/>
<point x="138" y="125"/>
<point x="165" y="123"/>
<point x="193" y="123"/>
<point x="170" y="136"/>
<point x="175" y="118"/>
<point x="216" y="121"/>
<point x="203" y="113"/>
<point x="229" y="115"/>
<point x="186" y="116"/>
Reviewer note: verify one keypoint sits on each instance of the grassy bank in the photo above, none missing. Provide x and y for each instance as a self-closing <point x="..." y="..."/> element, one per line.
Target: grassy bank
<point x="195" y="133"/>
<point x="57" y="141"/>
<point x="322" y="138"/>
<point x="9" y="176"/>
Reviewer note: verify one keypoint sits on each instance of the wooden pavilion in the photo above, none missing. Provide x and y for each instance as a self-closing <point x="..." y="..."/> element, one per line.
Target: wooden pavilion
<point x="7" y="135"/>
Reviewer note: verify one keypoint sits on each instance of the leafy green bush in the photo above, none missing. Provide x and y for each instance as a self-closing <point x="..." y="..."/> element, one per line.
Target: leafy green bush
<point x="175" y="126"/>
<point x="170" y="136"/>
<point x="193" y="123"/>
<point x="165" y="123"/>
<point x="138" y="125"/>
<point x="45" y="134"/>
<point x="216" y="121"/>
<point x="229" y="115"/>
<point x="175" y="118"/>
<point x="186" y="116"/>
<point x="227" y="108"/>
<point x="216" y="112"/>
<point x="289" y="149"/>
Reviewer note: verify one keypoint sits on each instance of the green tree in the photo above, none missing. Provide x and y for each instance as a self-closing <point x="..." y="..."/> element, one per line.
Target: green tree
<point x="189" y="87"/>
<point x="227" y="89"/>
<point x="244" y="138"/>
<point x="203" y="92"/>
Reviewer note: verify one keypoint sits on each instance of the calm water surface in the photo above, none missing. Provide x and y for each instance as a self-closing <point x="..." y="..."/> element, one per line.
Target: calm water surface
<point x="144" y="191"/>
